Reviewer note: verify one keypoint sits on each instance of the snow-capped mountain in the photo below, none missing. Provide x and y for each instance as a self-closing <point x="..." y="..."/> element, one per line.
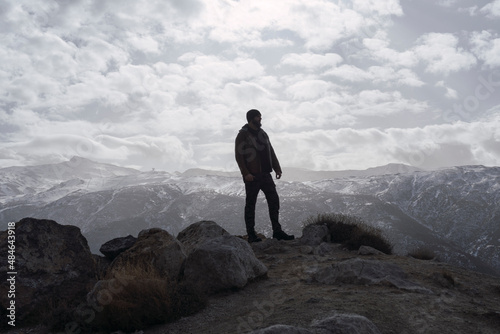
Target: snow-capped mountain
<point x="453" y="211"/>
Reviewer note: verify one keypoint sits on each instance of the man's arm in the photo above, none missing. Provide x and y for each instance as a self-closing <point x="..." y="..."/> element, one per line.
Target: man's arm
<point x="275" y="163"/>
<point x="239" y="149"/>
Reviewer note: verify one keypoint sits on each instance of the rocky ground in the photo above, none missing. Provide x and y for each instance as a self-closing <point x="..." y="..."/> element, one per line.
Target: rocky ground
<point x="456" y="300"/>
<point x="306" y="281"/>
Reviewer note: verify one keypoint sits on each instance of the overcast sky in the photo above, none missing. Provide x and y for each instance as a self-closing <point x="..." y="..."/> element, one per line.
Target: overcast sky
<point x="165" y="84"/>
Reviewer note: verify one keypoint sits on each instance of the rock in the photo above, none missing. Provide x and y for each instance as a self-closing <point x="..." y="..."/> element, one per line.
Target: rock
<point x="345" y="324"/>
<point x="54" y="266"/>
<point x="367" y="250"/>
<point x="114" y="247"/>
<point x="197" y="233"/>
<point x="221" y="263"/>
<point x="306" y="250"/>
<point x="155" y="254"/>
<point x="150" y="231"/>
<point x="365" y="272"/>
<point x="271" y="246"/>
<point x="104" y="291"/>
<point x="314" y="235"/>
<point x="102" y="265"/>
<point x="335" y="324"/>
<point x="282" y="329"/>
<point x="325" y="248"/>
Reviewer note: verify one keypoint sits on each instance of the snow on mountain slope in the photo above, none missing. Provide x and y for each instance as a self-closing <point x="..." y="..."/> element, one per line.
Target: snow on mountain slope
<point x="17" y="182"/>
<point x="454" y="212"/>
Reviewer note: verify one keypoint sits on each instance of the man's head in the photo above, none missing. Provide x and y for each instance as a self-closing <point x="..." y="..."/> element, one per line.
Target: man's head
<point x="254" y="117"/>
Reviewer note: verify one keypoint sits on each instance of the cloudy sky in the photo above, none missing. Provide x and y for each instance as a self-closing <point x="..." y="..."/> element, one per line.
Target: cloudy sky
<point x="165" y="84"/>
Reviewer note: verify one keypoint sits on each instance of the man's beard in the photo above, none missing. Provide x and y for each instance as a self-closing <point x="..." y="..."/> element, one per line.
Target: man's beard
<point x="257" y="124"/>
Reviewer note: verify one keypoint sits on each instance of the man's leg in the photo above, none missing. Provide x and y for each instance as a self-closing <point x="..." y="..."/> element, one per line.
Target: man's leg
<point x="273" y="201"/>
<point x="252" y="191"/>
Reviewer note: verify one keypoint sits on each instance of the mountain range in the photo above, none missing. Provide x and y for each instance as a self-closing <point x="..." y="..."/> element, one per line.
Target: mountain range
<point x="453" y="212"/>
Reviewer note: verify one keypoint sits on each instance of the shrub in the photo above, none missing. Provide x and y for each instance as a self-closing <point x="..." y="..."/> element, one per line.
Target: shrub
<point x="351" y="232"/>
<point x="146" y="302"/>
<point x="147" y="298"/>
<point x="131" y="299"/>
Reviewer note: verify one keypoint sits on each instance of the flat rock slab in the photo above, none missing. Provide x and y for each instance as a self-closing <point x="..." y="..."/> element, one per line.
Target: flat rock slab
<point x="366" y="272"/>
<point x="338" y="323"/>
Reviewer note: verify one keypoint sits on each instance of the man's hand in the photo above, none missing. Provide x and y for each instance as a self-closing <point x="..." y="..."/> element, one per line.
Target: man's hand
<point x="249" y="177"/>
<point x="278" y="176"/>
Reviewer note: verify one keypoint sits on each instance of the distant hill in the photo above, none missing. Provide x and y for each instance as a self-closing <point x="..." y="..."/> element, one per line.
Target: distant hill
<point x="301" y="174"/>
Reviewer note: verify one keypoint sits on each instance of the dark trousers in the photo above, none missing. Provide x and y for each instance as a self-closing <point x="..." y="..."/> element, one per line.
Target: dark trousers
<point x="265" y="183"/>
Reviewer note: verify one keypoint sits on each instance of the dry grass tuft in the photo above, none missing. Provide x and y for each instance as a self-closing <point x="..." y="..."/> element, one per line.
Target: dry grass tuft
<point x="147" y="298"/>
<point x="351" y="232"/>
<point x="142" y="303"/>
<point x="129" y="299"/>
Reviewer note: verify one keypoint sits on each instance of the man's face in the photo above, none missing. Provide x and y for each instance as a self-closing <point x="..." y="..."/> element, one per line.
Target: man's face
<point x="257" y="121"/>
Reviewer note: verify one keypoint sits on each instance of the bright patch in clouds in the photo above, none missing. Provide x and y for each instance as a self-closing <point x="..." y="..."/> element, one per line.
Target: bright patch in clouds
<point x="341" y="84"/>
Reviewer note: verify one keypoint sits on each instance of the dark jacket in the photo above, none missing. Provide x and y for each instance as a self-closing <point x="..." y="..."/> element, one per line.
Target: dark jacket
<point x="254" y="152"/>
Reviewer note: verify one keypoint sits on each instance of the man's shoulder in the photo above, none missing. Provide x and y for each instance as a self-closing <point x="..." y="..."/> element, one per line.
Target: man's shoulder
<point x="242" y="135"/>
<point x="243" y="131"/>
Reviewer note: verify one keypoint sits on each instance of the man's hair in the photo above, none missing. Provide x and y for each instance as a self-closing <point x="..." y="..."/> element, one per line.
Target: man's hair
<point x="252" y="113"/>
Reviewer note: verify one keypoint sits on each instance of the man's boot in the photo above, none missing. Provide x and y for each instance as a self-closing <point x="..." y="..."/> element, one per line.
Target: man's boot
<point x="253" y="237"/>
<point x="280" y="235"/>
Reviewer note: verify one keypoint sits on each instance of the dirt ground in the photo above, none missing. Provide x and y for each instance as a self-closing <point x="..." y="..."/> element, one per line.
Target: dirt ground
<point x="461" y="301"/>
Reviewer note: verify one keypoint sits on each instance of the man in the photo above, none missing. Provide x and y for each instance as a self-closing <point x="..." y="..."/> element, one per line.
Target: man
<point x="256" y="159"/>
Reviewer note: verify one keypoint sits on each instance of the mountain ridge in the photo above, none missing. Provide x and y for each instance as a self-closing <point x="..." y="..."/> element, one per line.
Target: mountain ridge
<point x="450" y="211"/>
<point x="303" y="174"/>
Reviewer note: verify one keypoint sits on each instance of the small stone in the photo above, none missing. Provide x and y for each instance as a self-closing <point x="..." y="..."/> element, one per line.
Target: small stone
<point x="367" y="250"/>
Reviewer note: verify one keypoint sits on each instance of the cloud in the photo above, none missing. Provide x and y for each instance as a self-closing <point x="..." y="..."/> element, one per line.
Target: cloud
<point x="167" y="152"/>
<point x="426" y="147"/>
<point x="311" y="61"/>
<point x="378" y="103"/>
<point x="441" y="53"/>
<point x="166" y="84"/>
<point x="318" y="23"/>
<point x="462" y="143"/>
<point x="217" y="71"/>
<point x="152" y="151"/>
<point x="450" y="93"/>
<point x="144" y="43"/>
<point x="492" y="9"/>
<point x="349" y="73"/>
<point x="447" y="3"/>
<point x="380" y="51"/>
<point x="308" y="89"/>
<point x="377" y="74"/>
<point x="487" y="47"/>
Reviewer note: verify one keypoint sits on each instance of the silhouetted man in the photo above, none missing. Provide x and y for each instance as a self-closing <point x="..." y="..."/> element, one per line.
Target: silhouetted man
<point x="256" y="159"/>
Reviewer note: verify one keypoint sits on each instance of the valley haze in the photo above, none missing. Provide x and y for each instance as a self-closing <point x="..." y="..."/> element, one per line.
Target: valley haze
<point x="453" y="212"/>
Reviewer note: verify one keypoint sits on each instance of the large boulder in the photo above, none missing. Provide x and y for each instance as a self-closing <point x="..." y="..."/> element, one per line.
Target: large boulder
<point x="197" y="233"/>
<point x="115" y="247"/>
<point x="53" y="263"/>
<point x="156" y="253"/>
<point x="221" y="262"/>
